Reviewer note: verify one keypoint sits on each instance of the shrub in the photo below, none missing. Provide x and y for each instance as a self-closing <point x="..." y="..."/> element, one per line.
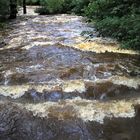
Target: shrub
<point x="32" y="2"/>
<point x="118" y="19"/>
<point x="51" y="6"/>
<point x="79" y="6"/>
<point x="4" y="9"/>
<point x="62" y="6"/>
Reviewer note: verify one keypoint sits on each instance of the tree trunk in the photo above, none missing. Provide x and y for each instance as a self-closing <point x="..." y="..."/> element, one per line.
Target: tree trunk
<point x="13" y="9"/>
<point x="24" y="7"/>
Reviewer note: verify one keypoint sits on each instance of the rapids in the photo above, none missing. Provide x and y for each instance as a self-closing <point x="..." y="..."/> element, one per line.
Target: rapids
<point x="58" y="70"/>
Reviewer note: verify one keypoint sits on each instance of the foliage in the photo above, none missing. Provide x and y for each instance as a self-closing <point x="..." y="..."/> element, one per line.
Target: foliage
<point x="62" y="6"/>
<point x="51" y="6"/>
<point x="79" y="6"/>
<point x="4" y="9"/>
<point x="56" y="6"/>
<point x="118" y="19"/>
<point x="68" y="5"/>
<point x="2" y="25"/>
<point x="32" y="2"/>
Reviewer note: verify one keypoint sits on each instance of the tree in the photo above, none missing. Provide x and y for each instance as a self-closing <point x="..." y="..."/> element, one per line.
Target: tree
<point x="24" y="7"/>
<point x="13" y="9"/>
<point x="4" y="9"/>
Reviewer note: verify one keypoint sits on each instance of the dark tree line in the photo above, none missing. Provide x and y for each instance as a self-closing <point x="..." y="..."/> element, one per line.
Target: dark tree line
<point x="13" y="9"/>
<point x="24" y="7"/>
<point x="9" y="7"/>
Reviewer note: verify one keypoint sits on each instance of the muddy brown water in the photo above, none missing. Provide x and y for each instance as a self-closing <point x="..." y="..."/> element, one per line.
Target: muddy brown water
<point x="64" y="85"/>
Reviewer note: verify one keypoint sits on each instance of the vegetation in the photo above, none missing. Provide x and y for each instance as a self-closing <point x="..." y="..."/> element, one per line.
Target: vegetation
<point x="55" y="6"/>
<point x="118" y="19"/>
<point x="62" y="6"/>
<point x="4" y="9"/>
<point x="79" y="6"/>
<point x="32" y="2"/>
<point x="8" y="9"/>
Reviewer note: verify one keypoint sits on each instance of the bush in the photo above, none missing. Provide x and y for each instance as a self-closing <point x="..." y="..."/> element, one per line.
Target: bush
<point x="51" y="6"/>
<point x="68" y="5"/>
<point x="62" y="6"/>
<point x="118" y="19"/>
<point x="4" y="9"/>
<point x="32" y="2"/>
<point x="79" y="6"/>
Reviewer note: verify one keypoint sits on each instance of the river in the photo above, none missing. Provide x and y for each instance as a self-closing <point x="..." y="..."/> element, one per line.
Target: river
<point x="62" y="81"/>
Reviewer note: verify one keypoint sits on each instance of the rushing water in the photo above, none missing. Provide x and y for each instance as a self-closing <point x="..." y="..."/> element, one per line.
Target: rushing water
<point x="52" y="69"/>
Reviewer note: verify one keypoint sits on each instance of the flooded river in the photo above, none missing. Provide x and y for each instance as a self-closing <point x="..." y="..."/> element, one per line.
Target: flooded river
<point x="60" y="81"/>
